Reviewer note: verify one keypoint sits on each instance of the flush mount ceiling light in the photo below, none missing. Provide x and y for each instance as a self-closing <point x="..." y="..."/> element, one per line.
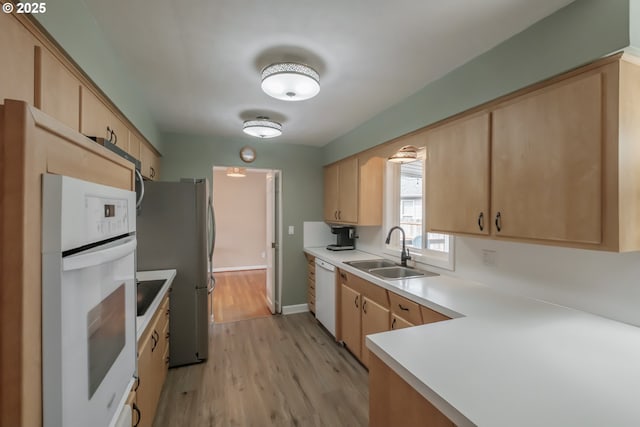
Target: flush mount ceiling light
<point x="406" y="154"/>
<point x="262" y="127"/>
<point x="290" y="81"/>
<point x="236" y="172"/>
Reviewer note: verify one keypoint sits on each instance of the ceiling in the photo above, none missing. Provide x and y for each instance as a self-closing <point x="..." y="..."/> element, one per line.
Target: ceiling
<point x="198" y="62"/>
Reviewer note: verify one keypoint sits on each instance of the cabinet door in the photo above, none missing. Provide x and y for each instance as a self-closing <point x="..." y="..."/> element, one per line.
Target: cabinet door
<point x="547" y="163"/>
<point x="348" y="190"/>
<point x="375" y="318"/>
<point x="145" y="395"/>
<point x="457" y="184"/>
<point x="95" y="118"/>
<point x="17" y="70"/>
<point x="331" y="193"/>
<point x="393" y="402"/>
<point x="134" y="145"/>
<point x="431" y="316"/>
<point x="135" y="412"/>
<point x="398" y="322"/>
<point x="155" y="166"/>
<point x="350" y="318"/>
<point x="57" y="91"/>
<point x="150" y="162"/>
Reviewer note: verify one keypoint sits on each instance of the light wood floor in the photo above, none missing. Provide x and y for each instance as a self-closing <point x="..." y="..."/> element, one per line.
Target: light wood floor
<point x="273" y="371"/>
<point x="240" y="295"/>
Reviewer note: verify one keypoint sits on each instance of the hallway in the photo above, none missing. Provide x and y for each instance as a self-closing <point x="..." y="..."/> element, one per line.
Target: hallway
<point x="240" y="295"/>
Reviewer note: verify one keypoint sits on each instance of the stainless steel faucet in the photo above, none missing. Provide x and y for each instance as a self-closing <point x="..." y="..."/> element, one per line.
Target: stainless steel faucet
<point x="404" y="255"/>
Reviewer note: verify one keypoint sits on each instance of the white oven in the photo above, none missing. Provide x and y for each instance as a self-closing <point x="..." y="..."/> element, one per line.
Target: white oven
<point x="88" y="301"/>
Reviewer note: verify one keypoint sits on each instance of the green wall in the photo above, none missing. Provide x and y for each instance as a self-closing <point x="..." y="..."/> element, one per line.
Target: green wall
<point x="194" y="156"/>
<point x="77" y="31"/>
<point x="581" y="32"/>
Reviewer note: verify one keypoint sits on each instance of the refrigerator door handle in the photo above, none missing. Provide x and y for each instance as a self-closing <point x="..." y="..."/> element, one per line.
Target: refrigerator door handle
<point x="212" y="233"/>
<point x="212" y="283"/>
<point x="139" y="179"/>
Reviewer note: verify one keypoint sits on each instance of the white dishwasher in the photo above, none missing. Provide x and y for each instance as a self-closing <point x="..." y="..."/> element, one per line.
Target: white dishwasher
<point x="326" y="295"/>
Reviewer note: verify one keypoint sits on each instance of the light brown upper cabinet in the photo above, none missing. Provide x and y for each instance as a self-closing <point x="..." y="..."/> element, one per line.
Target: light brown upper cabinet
<point x="97" y="119"/>
<point x="547" y="162"/>
<point x="134" y="144"/>
<point x="17" y="69"/>
<point x="564" y="162"/>
<point x="457" y="170"/>
<point x="150" y="162"/>
<point x="57" y="91"/>
<point x="353" y="191"/>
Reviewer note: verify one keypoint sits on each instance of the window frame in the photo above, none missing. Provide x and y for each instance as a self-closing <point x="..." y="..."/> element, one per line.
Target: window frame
<point x="392" y="216"/>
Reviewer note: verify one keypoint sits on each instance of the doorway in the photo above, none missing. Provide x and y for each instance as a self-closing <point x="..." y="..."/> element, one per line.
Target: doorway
<point x="246" y="261"/>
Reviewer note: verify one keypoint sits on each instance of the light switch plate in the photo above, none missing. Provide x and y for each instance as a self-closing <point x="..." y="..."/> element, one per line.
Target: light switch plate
<point x="291" y="229"/>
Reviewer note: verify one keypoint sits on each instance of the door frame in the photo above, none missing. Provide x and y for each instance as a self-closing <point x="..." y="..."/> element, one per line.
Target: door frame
<point x="277" y="232"/>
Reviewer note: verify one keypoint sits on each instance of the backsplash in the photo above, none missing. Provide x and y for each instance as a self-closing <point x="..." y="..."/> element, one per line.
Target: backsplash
<point x="597" y="282"/>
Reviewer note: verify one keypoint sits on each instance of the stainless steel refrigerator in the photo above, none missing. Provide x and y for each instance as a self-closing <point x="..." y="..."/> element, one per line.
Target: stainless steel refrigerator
<point x="176" y="229"/>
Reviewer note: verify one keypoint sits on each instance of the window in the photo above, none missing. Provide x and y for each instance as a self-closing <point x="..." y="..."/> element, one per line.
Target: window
<point x="405" y="204"/>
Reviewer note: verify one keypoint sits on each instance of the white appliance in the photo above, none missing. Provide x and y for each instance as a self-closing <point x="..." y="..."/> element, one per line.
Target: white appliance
<point x="326" y="295"/>
<point x="88" y="301"/>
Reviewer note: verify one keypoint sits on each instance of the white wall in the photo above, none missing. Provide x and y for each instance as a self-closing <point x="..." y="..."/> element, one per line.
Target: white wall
<point x="607" y="284"/>
<point x="240" y="207"/>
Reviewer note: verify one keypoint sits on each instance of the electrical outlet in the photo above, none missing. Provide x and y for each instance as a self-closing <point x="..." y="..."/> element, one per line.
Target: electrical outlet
<point x="291" y="230"/>
<point x="489" y="257"/>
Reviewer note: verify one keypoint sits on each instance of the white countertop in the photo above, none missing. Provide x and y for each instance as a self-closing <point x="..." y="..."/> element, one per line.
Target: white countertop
<point x="167" y="276"/>
<point x="506" y="360"/>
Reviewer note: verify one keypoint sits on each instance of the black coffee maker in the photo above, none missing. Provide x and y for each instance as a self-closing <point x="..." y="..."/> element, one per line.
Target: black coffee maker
<point x="345" y="238"/>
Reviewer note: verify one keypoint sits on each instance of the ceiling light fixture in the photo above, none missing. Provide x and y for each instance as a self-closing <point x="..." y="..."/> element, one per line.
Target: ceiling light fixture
<point x="406" y="154"/>
<point x="290" y="81"/>
<point x="236" y="172"/>
<point x="262" y="127"/>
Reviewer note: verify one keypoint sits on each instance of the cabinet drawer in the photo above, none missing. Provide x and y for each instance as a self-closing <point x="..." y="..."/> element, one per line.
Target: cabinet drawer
<point x="431" y="316"/>
<point x="408" y="310"/>
<point x="368" y="289"/>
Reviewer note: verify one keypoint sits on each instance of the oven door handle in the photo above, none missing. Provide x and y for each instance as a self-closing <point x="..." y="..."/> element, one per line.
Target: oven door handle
<point x="99" y="256"/>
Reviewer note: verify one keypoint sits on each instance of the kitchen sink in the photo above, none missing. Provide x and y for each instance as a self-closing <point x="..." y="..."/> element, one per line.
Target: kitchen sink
<point x="389" y="270"/>
<point x="373" y="263"/>
<point x="146" y="293"/>
<point x="398" y="272"/>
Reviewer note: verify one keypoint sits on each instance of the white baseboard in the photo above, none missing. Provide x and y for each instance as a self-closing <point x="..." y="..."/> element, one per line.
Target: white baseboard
<point x="293" y="309"/>
<point x="246" y="267"/>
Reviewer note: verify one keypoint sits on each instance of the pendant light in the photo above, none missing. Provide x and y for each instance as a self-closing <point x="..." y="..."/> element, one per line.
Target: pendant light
<point x="290" y="81"/>
<point x="236" y="172"/>
<point x="262" y="127"/>
<point x="406" y="154"/>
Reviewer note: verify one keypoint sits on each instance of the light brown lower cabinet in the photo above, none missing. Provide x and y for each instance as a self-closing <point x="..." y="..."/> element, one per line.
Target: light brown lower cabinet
<point x="398" y="322"/>
<point x="393" y="402"/>
<point x="311" y="282"/>
<point x="375" y="318"/>
<point x="135" y="411"/>
<point x="351" y="321"/>
<point x="366" y="308"/>
<point x="152" y="364"/>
